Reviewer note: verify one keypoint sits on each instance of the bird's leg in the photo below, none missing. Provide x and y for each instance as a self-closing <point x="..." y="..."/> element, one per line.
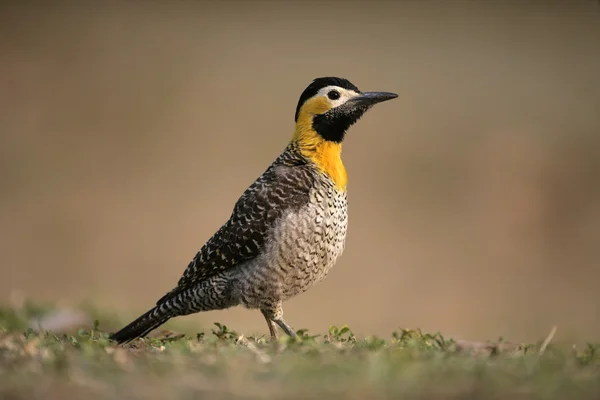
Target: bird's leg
<point x="272" y="327"/>
<point x="286" y="328"/>
<point x="275" y="314"/>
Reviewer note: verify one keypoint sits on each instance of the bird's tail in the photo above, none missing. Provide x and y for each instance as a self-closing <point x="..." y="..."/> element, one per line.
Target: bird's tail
<point x="142" y="325"/>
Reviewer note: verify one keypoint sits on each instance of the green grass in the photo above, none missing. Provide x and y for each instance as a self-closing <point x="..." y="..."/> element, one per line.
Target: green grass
<point x="220" y="364"/>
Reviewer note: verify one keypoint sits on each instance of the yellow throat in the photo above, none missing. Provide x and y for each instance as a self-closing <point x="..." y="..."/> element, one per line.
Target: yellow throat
<point x="326" y="155"/>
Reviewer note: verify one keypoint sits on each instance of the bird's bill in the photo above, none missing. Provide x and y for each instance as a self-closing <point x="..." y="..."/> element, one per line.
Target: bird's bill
<point x="370" y="98"/>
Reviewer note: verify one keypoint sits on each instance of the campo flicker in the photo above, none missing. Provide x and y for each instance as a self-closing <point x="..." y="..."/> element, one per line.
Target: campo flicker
<point x="286" y="231"/>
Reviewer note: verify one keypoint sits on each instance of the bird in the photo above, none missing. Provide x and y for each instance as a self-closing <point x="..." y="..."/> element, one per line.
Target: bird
<point x="288" y="228"/>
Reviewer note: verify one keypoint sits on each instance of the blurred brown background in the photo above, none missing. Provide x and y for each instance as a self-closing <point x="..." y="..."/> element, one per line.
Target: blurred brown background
<point x="129" y="129"/>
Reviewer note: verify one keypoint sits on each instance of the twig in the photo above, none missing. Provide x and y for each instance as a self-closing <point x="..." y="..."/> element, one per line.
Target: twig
<point x="547" y="341"/>
<point x="542" y="349"/>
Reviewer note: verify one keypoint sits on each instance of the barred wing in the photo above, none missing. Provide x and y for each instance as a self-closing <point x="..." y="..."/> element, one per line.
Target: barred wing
<point x="281" y="188"/>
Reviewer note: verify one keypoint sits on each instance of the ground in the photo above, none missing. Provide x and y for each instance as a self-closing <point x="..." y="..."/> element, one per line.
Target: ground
<point x="220" y="363"/>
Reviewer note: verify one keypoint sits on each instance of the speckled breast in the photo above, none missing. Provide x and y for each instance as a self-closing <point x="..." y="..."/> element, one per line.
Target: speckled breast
<point x="310" y="240"/>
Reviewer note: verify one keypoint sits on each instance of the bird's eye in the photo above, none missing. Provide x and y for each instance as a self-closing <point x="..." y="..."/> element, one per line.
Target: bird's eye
<point x="333" y="95"/>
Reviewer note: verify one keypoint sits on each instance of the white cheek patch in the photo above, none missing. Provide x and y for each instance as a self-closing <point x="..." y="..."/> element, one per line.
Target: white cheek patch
<point x="345" y="95"/>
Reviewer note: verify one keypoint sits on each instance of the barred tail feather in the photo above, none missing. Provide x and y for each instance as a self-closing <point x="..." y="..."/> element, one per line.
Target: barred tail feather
<point x="142" y="325"/>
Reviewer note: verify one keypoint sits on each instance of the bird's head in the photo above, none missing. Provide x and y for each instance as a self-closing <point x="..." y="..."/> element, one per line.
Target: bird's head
<point x="326" y="109"/>
<point x="329" y="106"/>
